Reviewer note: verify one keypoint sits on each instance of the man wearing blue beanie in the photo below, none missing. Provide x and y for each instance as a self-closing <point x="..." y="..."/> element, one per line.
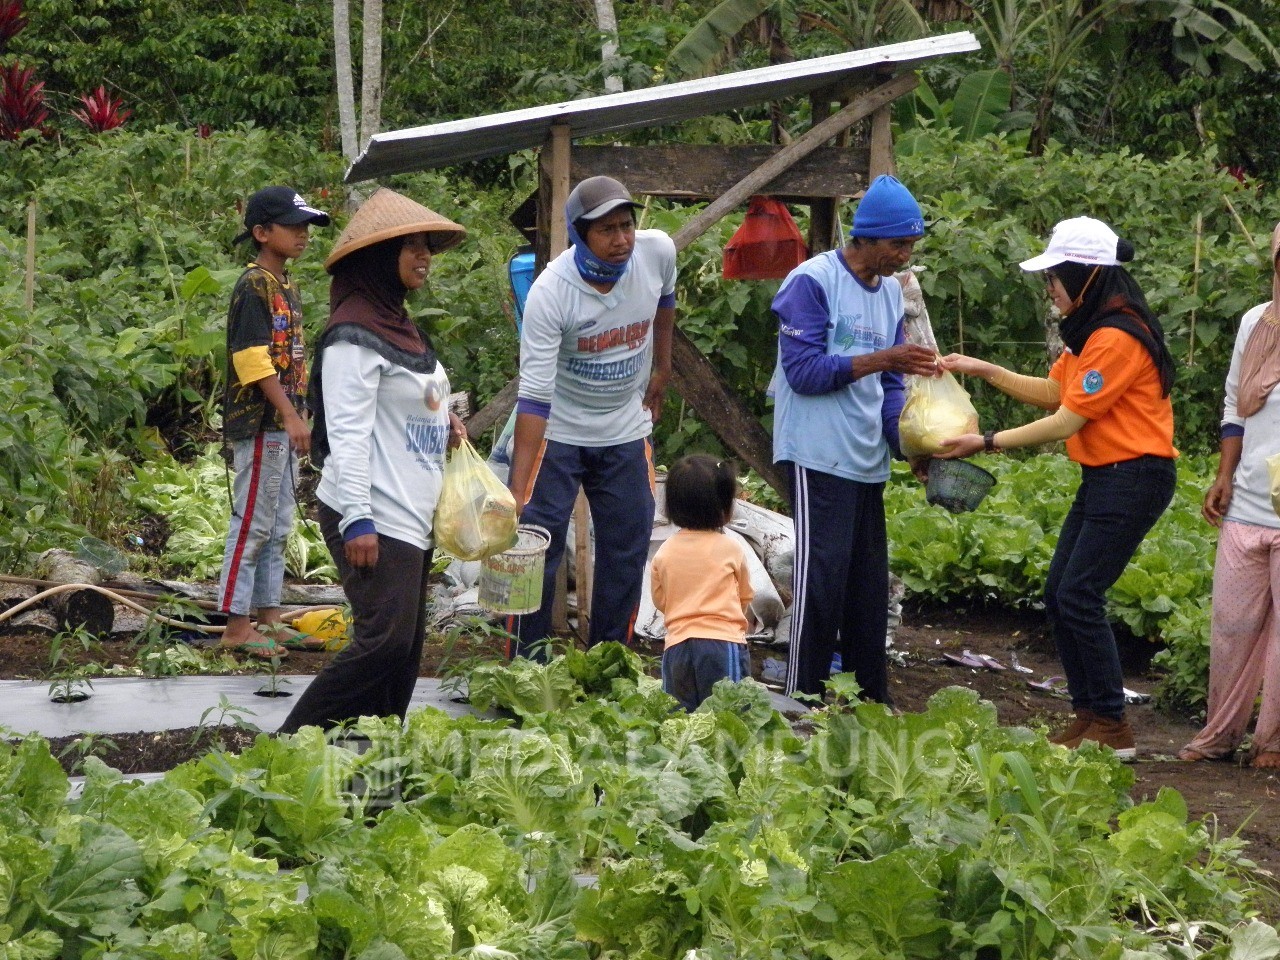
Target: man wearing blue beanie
<point x="839" y="391"/>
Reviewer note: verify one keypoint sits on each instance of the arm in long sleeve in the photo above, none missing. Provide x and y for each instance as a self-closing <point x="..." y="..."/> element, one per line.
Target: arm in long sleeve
<point x="895" y="397"/>
<point x="1057" y="426"/>
<point x="802" y="310"/>
<point x="1038" y="391"/>
<point x="351" y="377"/>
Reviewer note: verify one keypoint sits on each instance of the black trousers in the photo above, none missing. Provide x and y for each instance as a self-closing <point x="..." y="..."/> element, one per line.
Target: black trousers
<point x="375" y="674"/>
<point x="841" y="583"/>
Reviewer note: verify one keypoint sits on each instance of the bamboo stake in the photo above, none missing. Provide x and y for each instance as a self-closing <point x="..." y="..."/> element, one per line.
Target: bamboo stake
<point x="31" y="256"/>
<point x="1240" y="223"/>
<point x="1195" y="289"/>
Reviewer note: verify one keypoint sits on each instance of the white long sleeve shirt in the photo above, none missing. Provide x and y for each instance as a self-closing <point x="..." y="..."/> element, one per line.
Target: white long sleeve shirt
<point x="388" y="431"/>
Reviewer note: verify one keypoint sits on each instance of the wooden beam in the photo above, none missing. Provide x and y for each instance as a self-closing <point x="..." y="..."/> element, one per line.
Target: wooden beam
<point x="735" y="196"/>
<point x="494" y="412"/>
<point x="705" y="171"/>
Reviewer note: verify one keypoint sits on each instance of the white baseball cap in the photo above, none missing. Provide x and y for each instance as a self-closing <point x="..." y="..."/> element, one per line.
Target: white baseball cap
<point x="1079" y="240"/>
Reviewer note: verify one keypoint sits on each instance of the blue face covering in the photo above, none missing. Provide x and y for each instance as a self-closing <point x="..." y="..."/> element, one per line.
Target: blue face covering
<point x="590" y="267"/>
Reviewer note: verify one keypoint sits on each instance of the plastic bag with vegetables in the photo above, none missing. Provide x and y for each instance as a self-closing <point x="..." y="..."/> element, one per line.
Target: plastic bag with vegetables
<point x="937" y="409"/>
<point x="476" y="515"/>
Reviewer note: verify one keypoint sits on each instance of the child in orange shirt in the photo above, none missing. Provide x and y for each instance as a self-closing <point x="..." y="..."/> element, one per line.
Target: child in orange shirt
<point x="700" y="583"/>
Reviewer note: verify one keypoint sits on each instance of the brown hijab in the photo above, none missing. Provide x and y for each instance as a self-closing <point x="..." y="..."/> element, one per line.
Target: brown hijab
<point x="1260" y="369"/>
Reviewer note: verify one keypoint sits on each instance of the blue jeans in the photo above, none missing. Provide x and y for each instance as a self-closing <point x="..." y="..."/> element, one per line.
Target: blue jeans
<point x="692" y="667"/>
<point x="1114" y="508"/>
<point x="618" y="482"/>
<point x="261" y="520"/>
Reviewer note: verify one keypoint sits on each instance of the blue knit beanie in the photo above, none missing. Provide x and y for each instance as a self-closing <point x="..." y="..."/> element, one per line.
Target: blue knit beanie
<point x="887" y="210"/>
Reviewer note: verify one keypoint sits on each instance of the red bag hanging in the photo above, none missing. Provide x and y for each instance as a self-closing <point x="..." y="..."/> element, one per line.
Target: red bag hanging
<point x="767" y="246"/>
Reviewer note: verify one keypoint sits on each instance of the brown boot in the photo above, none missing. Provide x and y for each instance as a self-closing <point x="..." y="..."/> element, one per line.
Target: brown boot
<point x="1116" y="734"/>
<point x="1070" y="737"/>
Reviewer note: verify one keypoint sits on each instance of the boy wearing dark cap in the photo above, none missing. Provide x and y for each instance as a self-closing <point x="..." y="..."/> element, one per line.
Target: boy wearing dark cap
<point x="262" y="420"/>
<point x="838" y="384"/>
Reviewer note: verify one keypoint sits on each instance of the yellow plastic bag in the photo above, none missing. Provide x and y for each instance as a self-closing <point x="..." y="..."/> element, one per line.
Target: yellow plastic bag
<point x="328" y="624"/>
<point x="1273" y="470"/>
<point x="476" y="515"/>
<point x="937" y="409"/>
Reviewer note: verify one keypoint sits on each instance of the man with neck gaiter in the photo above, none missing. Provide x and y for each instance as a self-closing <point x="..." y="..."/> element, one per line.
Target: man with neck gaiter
<point x="595" y="359"/>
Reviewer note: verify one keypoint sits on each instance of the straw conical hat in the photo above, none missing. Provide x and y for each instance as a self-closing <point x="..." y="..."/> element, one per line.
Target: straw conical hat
<point x="387" y="214"/>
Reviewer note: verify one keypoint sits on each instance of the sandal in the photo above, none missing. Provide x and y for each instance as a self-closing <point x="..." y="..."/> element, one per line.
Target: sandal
<point x="261" y="649"/>
<point x="1190" y="754"/>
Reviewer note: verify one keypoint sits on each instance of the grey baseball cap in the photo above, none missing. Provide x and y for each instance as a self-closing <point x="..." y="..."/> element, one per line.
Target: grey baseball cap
<point x="596" y="196"/>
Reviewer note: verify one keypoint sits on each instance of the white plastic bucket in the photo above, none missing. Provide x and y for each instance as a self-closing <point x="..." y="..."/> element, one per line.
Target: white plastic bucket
<point x="511" y="582"/>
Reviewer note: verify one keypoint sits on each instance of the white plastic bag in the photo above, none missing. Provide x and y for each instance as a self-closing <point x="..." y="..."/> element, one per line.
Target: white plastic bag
<point x="476" y="515"/>
<point x="937" y="409"/>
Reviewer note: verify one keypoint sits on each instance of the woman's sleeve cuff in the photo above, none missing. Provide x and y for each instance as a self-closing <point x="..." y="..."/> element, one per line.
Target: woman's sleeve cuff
<point x="358" y="529"/>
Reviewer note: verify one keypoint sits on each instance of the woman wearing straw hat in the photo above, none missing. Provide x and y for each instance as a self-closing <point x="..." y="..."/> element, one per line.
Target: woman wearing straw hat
<point x="1109" y="393"/>
<point x="382" y="425"/>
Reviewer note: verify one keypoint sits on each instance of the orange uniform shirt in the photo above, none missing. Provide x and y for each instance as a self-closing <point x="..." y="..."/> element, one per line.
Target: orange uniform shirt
<point x="701" y="584"/>
<point x="1115" y="385"/>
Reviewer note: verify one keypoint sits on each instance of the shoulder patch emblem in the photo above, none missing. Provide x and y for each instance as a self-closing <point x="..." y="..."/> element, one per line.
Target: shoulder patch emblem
<point x="1092" y="382"/>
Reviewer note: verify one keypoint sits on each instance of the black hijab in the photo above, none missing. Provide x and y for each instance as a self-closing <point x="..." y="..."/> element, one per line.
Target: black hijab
<point x="1110" y="297"/>
<point x="366" y="307"/>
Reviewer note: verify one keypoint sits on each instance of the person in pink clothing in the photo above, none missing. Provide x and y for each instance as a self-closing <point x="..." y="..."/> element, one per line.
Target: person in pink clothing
<point x="1244" y="640"/>
<point x="700" y="582"/>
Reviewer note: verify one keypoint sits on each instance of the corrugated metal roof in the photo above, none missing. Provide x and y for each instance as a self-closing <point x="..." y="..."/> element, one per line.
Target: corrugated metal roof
<point x="456" y="141"/>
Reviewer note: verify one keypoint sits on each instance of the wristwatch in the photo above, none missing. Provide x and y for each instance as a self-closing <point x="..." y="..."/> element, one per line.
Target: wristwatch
<point x="989" y="442"/>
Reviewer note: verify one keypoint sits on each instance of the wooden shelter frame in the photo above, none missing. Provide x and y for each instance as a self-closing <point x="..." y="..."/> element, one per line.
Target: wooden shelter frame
<point x="818" y="168"/>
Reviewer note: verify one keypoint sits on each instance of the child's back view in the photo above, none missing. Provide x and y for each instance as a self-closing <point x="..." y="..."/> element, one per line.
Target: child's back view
<point x="263" y="415"/>
<point x="700" y="583"/>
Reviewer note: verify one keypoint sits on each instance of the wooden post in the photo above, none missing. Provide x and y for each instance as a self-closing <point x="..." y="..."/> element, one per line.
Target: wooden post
<point x="30" y="299"/>
<point x="553" y="171"/>
<point x="882" y="143"/>
<point x="822" y="212"/>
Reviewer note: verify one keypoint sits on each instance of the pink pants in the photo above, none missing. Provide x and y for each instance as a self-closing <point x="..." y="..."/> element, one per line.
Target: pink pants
<point x="1244" y="645"/>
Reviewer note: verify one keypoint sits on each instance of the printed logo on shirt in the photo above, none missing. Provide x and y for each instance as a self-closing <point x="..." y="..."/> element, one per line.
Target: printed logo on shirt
<point x="432" y="396"/>
<point x="1092" y="382"/>
<point x="788" y="331"/>
<point x="607" y="372"/>
<point x="426" y="438"/>
<point x="849" y="334"/>
<point x="632" y="336"/>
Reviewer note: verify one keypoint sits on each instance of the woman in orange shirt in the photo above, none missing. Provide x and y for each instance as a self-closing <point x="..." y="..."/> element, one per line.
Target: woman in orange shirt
<point x="1109" y="397"/>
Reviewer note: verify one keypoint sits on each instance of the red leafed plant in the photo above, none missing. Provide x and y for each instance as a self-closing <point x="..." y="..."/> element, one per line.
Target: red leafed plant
<point x="11" y="21"/>
<point x="21" y="102"/>
<point x="101" y="111"/>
